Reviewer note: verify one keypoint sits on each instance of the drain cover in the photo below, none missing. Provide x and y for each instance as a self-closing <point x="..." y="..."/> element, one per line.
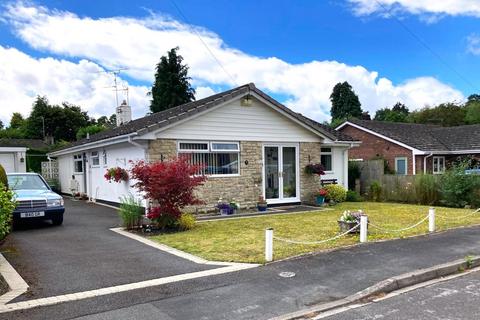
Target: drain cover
<point x="287" y="274"/>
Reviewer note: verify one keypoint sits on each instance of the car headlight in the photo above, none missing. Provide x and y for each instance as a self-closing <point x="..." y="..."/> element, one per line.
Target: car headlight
<point x="55" y="202"/>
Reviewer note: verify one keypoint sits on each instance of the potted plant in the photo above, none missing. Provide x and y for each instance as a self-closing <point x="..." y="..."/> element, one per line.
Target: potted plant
<point x="234" y="206"/>
<point x="314" y="168"/>
<point x="320" y="198"/>
<point x="116" y="174"/>
<point x="262" y="204"/>
<point x="350" y="219"/>
<point x="224" y="207"/>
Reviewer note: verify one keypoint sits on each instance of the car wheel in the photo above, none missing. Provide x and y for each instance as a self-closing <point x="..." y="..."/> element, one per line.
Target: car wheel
<point x="58" y="220"/>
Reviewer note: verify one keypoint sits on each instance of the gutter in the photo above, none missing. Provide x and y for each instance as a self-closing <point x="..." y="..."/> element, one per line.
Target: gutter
<point x="89" y="145"/>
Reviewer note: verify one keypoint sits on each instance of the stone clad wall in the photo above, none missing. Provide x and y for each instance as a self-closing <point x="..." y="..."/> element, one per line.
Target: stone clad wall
<point x="247" y="187"/>
<point x="309" y="184"/>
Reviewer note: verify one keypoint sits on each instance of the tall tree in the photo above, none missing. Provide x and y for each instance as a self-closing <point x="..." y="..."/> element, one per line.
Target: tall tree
<point x="399" y="113"/>
<point x="472" y="115"/>
<point x="60" y="122"/>
<point x="1" y="124"/>
<point x="171" y="86"/>
<point x="17" y="121"/>
<point x="445" y="114"/>
<point x="345" y="103"/>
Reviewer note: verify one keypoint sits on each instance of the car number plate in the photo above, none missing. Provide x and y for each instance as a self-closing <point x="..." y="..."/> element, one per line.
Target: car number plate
<point x="32" y="214"/>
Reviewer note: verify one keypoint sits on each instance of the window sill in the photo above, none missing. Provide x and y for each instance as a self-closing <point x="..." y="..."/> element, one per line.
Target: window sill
<point x="222" y="175"/>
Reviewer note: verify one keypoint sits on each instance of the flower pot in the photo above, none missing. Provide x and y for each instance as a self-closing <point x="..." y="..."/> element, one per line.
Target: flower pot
<point x="320" y="200"/>
<point x="224" y="211"/>
<point x="345" y="226"/>
<point x="262" y="207"/>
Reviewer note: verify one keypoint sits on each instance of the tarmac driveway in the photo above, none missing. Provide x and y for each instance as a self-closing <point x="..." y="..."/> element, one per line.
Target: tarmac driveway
<point x="83" y="254"/>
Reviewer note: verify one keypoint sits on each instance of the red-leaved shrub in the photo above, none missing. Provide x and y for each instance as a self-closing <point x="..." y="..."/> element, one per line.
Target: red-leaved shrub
<point x="170" y="184"/>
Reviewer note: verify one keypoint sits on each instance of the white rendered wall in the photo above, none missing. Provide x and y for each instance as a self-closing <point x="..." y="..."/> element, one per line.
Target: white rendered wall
<point x="339" y="166"/>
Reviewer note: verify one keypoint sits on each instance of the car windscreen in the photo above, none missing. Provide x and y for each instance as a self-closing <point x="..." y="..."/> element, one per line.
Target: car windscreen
<point x="26" y="182"/>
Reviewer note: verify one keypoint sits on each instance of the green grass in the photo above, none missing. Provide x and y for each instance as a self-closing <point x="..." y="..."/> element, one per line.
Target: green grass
<point x="242" y="240"/>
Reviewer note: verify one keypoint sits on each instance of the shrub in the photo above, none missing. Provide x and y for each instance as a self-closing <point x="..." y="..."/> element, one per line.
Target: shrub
<point x="7" y="205"/>
<point x="186" y="222"/>
<point x="170" y="184"/>
<point x="3" y="177"/>
<point x="336" y="192"/>
<point x="375" y="191"/>
<point x="353" y="196"/>
<point x="130" y="211"/>
<point x="457" y="187"/>
<point x="426" y="189"/>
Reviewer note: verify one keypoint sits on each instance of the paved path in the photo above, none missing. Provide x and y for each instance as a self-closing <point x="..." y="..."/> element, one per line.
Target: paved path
<point x="260" y="293"/>
<point x="83" y="254"/>
<point x="455" y="299"/>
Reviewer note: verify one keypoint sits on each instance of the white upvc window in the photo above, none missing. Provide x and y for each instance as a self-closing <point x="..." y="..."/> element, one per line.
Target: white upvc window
<point x="438" y="165"/>
<point x="78" y="163"/>
<point x="326" y="159"/>
<point x="95" y="159"/>
<point x="401" y="166"/>
<point x="217" y="158"/>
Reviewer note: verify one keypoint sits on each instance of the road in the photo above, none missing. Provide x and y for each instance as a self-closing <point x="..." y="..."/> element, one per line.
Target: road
<point x="454" y="299"/>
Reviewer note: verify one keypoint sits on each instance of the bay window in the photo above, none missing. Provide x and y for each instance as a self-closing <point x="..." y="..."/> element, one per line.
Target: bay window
<point x="216" y="158"/>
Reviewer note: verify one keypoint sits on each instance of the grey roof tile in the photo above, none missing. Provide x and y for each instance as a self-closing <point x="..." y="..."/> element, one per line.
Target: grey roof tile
<point x="163" y="118"/>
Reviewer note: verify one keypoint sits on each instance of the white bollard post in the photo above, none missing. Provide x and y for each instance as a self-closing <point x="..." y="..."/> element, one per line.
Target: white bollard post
<point x="431" y="219"/>
<point x="269" y="244"/>
<point x="363" y="228"/>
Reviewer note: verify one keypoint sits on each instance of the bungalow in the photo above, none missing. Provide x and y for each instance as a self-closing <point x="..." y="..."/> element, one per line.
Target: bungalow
<point x="412" y="148"/>
<point x="250" y="144"/>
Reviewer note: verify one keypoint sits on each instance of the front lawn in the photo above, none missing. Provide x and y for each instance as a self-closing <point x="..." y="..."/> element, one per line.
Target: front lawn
<point x="242" y="240"/>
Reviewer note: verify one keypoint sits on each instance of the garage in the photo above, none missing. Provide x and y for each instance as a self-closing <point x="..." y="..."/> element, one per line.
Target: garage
<point x="7" y="160"/>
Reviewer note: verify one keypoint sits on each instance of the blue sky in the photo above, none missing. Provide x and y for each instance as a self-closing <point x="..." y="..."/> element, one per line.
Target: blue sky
<point x="294" y="50"/>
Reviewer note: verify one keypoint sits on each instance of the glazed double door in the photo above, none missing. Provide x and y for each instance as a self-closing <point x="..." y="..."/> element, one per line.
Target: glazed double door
<point x="281" y="176"/>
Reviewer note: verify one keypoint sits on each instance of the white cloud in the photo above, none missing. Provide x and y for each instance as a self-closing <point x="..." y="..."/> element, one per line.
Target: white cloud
<point x="139" y="43"/>
<point x="432" y="8"/>
<point x="473" y="44"/>
<point x="23" y="77"/>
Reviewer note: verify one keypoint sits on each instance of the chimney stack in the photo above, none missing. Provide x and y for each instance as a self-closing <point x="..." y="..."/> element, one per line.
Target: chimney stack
<point x="124" y="113"/>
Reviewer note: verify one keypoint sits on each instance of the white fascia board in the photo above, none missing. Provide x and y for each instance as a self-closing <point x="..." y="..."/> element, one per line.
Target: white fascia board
<point x="13" y="149"/>
<point x="91" y="145"/>
<point x="406" y="146"/>
<point x="474" y="151"/>
<point x="343" y="144"/>
<point x="274" y="107"/>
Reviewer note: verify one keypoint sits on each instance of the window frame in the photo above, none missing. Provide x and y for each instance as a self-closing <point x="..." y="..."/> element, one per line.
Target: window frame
<point x="78" y="158"/>
<point x="104" y="158"/>
<point x="211" y="151"/>
<point x="433" y="164"/>
<point x="406" y="166"/>
<point x="327" y="153"/>
<point x="92" y="157"/>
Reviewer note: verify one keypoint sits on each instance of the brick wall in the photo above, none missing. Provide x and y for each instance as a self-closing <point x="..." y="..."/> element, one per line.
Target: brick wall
<point x="373" y="146"/>
<point x="309" y="184"/>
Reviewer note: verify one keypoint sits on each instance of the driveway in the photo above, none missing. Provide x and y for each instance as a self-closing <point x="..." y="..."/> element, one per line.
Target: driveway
<point x="83" y="254"/>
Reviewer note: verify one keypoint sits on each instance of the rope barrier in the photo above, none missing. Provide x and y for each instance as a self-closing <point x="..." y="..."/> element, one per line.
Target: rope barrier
<point x="316" y="242"/>
<point x="458" y="218"/>
<point x="397" y="230"/>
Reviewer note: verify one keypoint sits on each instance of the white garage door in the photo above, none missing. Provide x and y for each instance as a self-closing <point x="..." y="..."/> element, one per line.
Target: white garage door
<point x="7" y="160"/>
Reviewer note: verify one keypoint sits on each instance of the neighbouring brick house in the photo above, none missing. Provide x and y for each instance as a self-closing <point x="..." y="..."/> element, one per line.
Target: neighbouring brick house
<point x="250" y="144"/>
<point x="412" y="148"/>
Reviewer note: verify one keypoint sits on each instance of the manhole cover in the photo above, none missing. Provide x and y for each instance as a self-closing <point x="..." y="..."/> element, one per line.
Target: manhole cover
<point x="287" y="274"/>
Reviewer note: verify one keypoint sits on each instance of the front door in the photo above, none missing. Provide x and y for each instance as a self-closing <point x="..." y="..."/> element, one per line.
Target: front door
<point x="280" y="176"/>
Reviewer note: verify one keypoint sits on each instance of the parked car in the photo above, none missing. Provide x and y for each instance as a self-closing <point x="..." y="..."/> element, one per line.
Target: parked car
<point x="35" y="198"/>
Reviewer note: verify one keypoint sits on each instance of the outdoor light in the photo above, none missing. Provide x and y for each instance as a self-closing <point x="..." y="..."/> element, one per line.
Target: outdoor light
<point x="247" y="101"/>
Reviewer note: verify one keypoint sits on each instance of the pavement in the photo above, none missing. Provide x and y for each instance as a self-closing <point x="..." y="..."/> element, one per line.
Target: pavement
<point x="258" y="293"/>
<point x="453" y="299"/>
<point x="83" y="254"/>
